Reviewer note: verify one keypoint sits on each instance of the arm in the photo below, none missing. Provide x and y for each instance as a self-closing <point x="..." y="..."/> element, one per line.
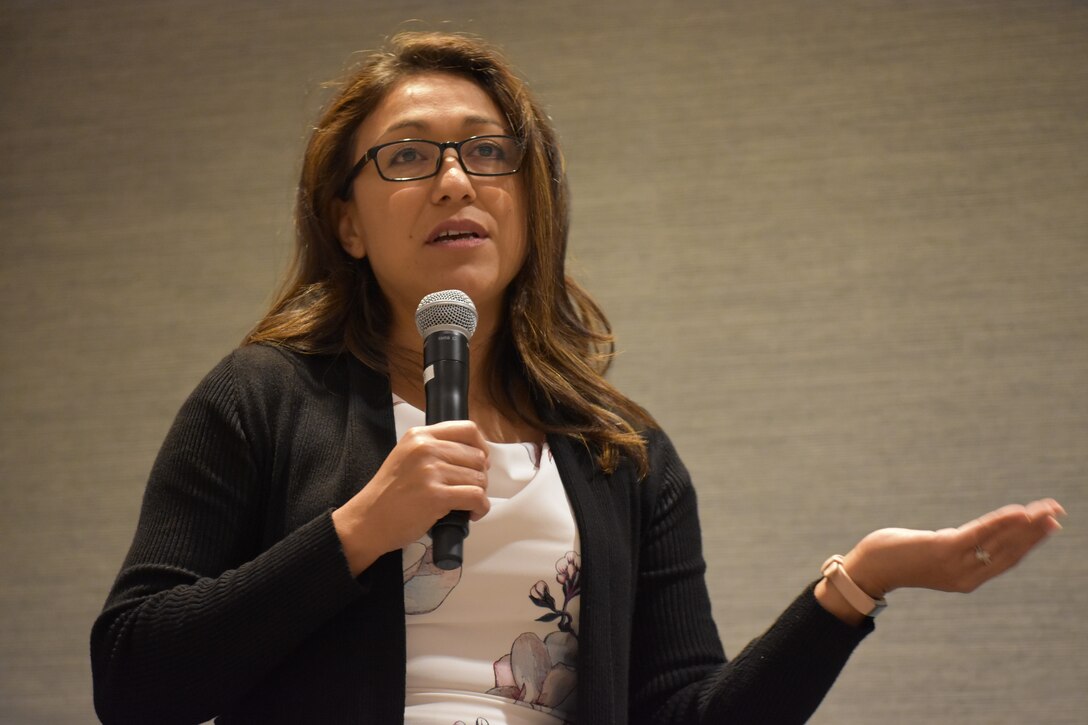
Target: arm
<point x="783" y="675"/>
<point x="208" y="603"/>
<point x="679" y="672"/>
<point x="199" y="613"/>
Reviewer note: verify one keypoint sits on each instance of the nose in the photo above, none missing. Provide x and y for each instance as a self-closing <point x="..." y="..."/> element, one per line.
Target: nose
<point x="452" y="183"/>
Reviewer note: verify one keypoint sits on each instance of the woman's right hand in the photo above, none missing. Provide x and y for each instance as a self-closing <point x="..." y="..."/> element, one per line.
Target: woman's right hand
<point x="433" y="470"/>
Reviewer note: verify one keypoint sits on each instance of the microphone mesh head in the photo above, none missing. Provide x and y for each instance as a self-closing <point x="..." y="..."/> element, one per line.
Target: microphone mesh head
<point x="447" y="310"/>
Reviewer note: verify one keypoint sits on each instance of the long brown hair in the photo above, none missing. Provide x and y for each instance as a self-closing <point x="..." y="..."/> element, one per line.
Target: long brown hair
<point x="555" y="343"/>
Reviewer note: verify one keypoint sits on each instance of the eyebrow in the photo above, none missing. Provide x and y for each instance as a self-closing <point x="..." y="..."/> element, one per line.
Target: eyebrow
<point x="421" y="125"/>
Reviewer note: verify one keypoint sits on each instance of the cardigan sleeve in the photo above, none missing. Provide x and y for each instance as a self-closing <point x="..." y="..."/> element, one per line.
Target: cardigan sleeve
<point x="199" y="612"/>
<point x="679" y="672"/>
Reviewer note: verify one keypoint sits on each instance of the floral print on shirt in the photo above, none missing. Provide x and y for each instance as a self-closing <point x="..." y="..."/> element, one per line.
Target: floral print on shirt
<point x="541" y="673"/>
<point x="425" y="585"/>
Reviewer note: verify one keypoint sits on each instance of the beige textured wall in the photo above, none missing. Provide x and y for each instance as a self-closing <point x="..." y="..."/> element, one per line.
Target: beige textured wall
<point x="844" y="246"/>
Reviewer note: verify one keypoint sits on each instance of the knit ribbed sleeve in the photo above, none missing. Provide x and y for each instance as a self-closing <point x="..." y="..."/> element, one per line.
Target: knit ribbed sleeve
<point x="679" y="673"/>
<point x="202" y="608"/>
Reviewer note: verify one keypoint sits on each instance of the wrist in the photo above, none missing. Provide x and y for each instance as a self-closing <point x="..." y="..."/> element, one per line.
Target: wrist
<point x="358" y="555"/>
<point x="832" y="601"/>
<point x="838" y="586"/>
<point x="860" y="566"/>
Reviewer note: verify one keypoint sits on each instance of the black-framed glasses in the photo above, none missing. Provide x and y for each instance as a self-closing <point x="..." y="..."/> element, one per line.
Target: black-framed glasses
<point x="417" y="158"/>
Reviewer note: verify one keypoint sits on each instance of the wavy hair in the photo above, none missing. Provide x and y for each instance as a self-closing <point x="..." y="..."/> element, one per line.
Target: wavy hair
<point x="555" y="343"/>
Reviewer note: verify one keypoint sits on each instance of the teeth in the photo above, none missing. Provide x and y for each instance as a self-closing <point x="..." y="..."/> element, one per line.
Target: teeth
<point x="445" y="236"/>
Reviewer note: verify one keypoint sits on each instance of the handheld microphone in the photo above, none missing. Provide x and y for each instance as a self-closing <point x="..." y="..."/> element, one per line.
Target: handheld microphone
<point x="446" y="320"/>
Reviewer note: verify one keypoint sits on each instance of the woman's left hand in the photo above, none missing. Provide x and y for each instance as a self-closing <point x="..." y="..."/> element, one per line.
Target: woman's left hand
<point x="951" y="560"/>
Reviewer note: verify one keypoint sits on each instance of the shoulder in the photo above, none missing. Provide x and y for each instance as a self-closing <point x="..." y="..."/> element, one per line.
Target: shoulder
<point x="666" y="479"/>
<point x="668" y="476"/>
<point x="667" y="497"/>
<point x="268" y="369"/>
<point x="269" y="362"/>
<point x="664" y="458"/>
<point x="259" y="382"/>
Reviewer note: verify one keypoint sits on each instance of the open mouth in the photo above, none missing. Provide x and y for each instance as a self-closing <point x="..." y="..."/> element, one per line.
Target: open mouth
<point x="445" y="237"/>
<point x="457" y="232"/>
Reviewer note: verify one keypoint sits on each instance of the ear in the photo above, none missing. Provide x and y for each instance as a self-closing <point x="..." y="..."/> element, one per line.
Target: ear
<point x="351" y="236"/>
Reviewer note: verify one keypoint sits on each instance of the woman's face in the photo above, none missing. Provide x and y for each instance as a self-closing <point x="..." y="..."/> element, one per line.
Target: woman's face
<point x="450" y="231"/>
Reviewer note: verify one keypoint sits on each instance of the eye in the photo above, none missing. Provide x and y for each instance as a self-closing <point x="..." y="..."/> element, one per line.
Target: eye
<point x="488" y="150"/>
<point x="406" y="154"/>
<point x="406" y="157"/>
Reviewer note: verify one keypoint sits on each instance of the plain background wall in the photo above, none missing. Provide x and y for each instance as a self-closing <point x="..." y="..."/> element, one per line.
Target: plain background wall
<point x="844" y="246"/>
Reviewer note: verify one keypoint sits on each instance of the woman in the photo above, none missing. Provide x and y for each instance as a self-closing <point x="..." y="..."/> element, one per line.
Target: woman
<point x="281" y="570"/>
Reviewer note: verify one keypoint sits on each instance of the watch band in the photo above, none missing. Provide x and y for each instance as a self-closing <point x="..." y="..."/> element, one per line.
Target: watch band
<point x="836" y="574"/>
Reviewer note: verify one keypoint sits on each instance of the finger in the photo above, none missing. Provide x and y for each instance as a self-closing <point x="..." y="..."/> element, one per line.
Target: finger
<point x="423" y="441"/>
<point x="1038" y="516"/>
<point x="999" y="517"/>
<point x="460" y="454"/>
<point x="1047" y="511"/>
<point x="988" y="558"/>
<point x="1056" y="509"/>
<point x="448" y="474"/>
<point x="1002" y="548"/>
<point x="1015" y="540"/>
<point x="460" y="431"/>
<point x="997" y="541"/>
<point x="466" y="498"/>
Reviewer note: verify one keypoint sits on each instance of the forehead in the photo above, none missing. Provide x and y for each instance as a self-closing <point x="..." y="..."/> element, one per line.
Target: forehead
<point x="432" y="103"/>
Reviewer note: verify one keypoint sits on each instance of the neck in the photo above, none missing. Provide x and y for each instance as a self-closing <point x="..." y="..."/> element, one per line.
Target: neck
<point x="406" y="370"/>
<point x="496" y="420"/>
<point x="405" y="355"/>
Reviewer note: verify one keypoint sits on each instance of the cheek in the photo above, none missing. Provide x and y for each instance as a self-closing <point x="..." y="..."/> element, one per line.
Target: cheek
<point x="390" y="214"/>
<point x="508" y="207"/>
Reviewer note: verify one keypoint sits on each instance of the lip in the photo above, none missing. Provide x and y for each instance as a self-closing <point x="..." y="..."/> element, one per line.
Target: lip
<point x="458" y="226"/>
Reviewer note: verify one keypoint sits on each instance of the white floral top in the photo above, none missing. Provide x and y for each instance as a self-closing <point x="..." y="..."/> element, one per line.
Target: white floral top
<point x="497" y="640"/>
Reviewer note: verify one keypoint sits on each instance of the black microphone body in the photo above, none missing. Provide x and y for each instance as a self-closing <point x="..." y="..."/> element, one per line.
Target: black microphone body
<point x="445" y="363"/>
<point x="445" y="381"/>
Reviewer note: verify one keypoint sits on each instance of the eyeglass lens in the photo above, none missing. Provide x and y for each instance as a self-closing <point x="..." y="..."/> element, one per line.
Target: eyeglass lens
<point x="487" y="155"/>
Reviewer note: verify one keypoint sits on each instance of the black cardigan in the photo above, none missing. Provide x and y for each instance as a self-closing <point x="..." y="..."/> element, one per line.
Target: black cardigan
<point x="236" y="601"/>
